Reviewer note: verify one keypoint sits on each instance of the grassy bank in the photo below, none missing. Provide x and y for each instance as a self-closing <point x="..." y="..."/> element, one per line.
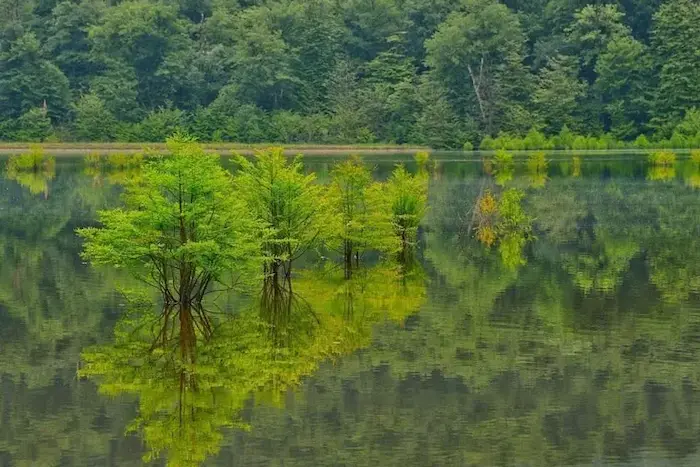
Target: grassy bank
<point x="111" y="148"/>
<point x="72" y="149"/>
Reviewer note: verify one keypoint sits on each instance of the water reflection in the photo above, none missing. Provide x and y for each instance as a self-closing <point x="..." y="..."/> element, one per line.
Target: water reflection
<point x="586" y="352"/>
<point x="193" y="370"/>
<point x="33" y="171"/>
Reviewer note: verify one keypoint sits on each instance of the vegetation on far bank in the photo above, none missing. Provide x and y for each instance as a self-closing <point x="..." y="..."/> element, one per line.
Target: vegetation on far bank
<point x="421" y="72"/>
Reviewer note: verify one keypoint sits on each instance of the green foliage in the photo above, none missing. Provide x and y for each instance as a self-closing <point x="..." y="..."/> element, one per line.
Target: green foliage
<point x="362" y="72"/>
<point x="675" y="42"/>
<point x="641" y="142"/>
<point x="33" y="170"/>
<point x="182" y="229"/>
<point x="34" y="160"/>
<point x="537" y="162"/>
<point x="408" y="196"/>
<point x="28" y="81"/>
<point x="558" y="93"/>
<point x="502" y="222"/>
<point x="288" y="205"/>
<point x="663" y="158"/>
<point x="361" y="211"/>
<point x="421" y="157"/>
<point x="93" y="121"/>
<point x="484" y="44"/>
<point x="124" y="161"/>
<point x="695" y="156"/>
<point x="503" y="158"/>
<point x="160" y="124"/>
<point x="33" y="125"/>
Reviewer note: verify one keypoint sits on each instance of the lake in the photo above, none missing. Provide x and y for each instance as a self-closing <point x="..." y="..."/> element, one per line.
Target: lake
<point x="579" y="344"/>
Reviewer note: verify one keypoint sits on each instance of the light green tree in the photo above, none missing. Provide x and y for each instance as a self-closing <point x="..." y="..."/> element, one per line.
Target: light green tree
<point x="288" y="205"/>
<point x="408" y="195"/>
<point x="183" y="230"/>
<point x="362" y="213"/>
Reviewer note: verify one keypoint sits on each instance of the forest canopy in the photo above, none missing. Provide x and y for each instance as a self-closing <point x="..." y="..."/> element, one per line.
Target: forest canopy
<point x="441" y="73"/>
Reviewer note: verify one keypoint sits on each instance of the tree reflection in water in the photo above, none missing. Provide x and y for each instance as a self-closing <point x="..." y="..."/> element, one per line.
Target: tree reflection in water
<point x="193" y="369"/>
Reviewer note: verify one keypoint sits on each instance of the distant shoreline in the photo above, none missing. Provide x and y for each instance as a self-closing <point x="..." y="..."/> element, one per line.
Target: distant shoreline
<point x="67" y="149"/>
<point x="82" y="149"/>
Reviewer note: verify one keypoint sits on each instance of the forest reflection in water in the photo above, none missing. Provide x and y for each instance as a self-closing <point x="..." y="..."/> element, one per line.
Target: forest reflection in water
<point x="584" y="349"/>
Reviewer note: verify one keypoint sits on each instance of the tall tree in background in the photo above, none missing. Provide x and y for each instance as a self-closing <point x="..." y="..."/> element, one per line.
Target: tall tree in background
<point x="593" y="28"/>
<point x="140" y="35"/>
<point x="558" y="93"/>
<point x="676" y="40"/>
<point x="625" y="77"/>
<point x="67" y="39"/>
<point x="477" y="54"/>
<point x="28" y="81"/>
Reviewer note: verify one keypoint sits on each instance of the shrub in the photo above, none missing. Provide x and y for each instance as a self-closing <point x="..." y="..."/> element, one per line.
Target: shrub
<point x="487" y="144"/>
<point x="662" y="158"/>
<point x="503" y="158"/>
<point x="421" y="157"/>
<point x="535" y="140"/>
<point x="695" y="156"/>
<point x="641" y="142"/>
<point x="123" y="161"/>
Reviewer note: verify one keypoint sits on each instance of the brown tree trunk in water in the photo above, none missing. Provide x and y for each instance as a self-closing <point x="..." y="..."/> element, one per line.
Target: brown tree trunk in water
<point x="348" y="259"/>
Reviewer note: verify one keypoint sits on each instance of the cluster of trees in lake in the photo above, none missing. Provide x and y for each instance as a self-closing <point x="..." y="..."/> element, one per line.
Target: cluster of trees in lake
<point x="194" y="233"/>
<point x="439" y="73"/>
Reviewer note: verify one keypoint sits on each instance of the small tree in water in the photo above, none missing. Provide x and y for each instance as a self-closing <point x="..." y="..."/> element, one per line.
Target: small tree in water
<point x="408" y="195"/>
<point x="362" y="213"/>
<point x="182" y="230"/>
<point x="287" y="204"/>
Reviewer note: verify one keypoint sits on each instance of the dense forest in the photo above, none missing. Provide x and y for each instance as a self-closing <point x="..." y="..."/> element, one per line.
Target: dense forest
<point x="441" y="73"/>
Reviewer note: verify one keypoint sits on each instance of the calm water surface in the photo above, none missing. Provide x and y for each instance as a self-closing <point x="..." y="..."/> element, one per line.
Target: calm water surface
<point x="581" y="349"/>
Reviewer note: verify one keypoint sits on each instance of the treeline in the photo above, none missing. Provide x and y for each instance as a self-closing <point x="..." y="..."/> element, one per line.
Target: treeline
<point x="433" y="72"/>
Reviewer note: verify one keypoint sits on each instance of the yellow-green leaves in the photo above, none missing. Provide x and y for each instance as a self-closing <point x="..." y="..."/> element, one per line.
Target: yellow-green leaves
<point x="182" y="228"/>
<point x="408" y="195"/>
<point x="362" y="216"/>
<point x="287" y="204"/>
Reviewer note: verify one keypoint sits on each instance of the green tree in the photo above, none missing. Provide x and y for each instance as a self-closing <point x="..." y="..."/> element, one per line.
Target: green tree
<point x="33" y="125"/>
<point x="674" y="44"/>
<point x="477" y="55"/>
<point x="28" y="81"/>
<point x="362" y="213"/>
<point x="558" y="93"/>
<point x="593" y="28"/>
<point x="118" y="88"/>
<point x="288" y="205"/>
<point x="67" y="39"/>
<point x="139" y="36"/>
<point x="408" y="196"/>
<point x="93" y="122"/>
<point x="160" y="123"/>
<point x="183" y="230"/>
<point x="263" y="61"/>
<point x="625" y="77"/>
